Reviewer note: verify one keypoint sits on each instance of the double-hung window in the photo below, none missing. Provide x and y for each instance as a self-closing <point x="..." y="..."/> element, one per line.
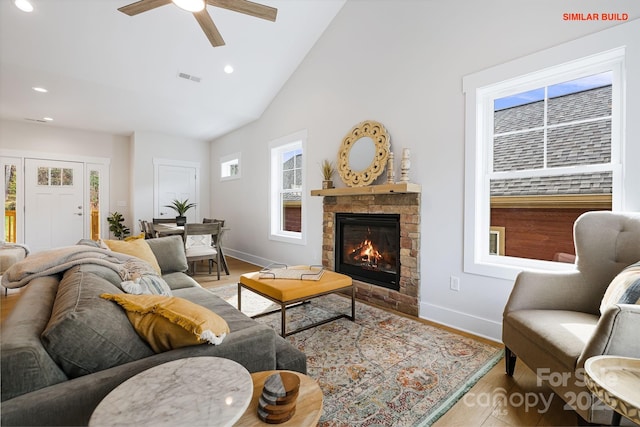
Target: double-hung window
<point x="288" y="188"/>
<point x="540" y="145"/>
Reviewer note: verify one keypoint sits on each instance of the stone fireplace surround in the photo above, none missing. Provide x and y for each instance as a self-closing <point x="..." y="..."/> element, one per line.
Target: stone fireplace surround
<point x="387" y="202"/>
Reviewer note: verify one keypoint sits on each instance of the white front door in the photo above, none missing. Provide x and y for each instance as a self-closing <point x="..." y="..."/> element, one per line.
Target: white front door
<point x="54" y="208"/>
<point x="176" y="182"/>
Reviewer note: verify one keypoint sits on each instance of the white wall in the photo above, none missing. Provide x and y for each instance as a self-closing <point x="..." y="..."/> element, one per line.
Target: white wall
<point x="146" y="146"/>
<point x="401" y="63"/>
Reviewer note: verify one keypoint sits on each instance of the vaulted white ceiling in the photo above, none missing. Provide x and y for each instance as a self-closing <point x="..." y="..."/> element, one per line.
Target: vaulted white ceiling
<point x="109" y="72"/>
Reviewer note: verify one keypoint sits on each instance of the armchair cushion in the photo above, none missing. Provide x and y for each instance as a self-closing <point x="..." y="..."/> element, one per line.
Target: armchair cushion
<point x="559" y="334"/>
<point x="624" y="288"/>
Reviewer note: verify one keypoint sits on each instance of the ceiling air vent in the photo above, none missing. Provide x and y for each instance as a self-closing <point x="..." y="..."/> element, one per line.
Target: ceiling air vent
<point x="189" y="77"/>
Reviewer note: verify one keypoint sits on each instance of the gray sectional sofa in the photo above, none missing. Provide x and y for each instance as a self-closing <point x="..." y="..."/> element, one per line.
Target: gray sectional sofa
<point x="64" y="348"/>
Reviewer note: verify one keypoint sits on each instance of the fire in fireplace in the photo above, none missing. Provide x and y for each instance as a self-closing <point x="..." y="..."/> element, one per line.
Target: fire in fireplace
<point x="368" y="248"/>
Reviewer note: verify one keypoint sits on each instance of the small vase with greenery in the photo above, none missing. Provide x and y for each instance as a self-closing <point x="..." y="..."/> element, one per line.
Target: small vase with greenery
<point x="181" y="207"/>
<point x="328" y="169"/>
<point x="116" y="225"/>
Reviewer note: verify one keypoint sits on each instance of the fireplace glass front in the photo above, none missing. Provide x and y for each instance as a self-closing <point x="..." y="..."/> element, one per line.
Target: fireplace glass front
<point x="368" y="248"/>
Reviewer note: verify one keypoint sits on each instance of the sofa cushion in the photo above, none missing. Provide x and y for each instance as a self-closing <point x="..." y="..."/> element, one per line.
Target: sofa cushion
<point x="26" y="365"/>
<point x="169" y="252"/>
<point x="137" y="248"/>
<point x="85" y="333"/>
<point x="171" y="322"/>
<point x="624" y="288"/>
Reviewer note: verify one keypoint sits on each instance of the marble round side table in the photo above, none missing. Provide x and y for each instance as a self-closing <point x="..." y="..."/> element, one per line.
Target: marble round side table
<point x="202" y="391"/>
<point x="615" y="380"/>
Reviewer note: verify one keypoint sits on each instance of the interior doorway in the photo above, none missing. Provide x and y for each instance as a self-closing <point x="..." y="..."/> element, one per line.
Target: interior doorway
<point x="176" y="180"/>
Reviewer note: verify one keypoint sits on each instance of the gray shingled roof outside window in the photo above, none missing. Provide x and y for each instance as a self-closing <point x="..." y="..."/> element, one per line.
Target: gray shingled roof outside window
<point x="577" y="144"/>
<point x="288" y="178"/>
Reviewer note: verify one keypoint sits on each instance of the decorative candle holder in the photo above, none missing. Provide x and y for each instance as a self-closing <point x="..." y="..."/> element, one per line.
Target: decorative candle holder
<point x="405" y="165"/>
<point x="391" y="172"/>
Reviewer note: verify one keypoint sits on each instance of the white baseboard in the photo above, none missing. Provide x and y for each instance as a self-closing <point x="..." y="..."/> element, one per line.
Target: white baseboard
<point x="465" y="322"/>
<point x="252" y="259"/>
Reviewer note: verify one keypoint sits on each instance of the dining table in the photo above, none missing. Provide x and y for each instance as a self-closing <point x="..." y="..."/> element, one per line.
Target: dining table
<point x="171" y="229"/>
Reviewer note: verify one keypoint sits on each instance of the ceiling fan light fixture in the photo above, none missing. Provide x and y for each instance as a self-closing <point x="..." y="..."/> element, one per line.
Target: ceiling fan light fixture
<point x="190" y="5"/>
<point x="24" y="5"/>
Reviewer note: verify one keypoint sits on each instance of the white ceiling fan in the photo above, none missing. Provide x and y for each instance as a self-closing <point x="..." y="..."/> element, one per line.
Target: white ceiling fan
<point x="199" y="10"/>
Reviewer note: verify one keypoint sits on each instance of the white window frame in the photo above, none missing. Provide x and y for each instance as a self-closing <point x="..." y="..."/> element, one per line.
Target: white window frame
<point x="225" y="167"/>
<point x="276" y="148"/>
<point x="534" y="71"/>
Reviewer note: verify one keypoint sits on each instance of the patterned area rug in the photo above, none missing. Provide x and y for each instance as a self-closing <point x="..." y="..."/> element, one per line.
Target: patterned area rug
<point x="381" y="370"/>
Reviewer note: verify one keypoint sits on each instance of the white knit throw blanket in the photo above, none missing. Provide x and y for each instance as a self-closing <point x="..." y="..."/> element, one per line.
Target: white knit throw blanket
<point x="57" y="260"/>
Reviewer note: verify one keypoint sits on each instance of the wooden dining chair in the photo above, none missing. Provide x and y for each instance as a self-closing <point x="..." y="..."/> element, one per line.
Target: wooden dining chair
<point x="149" y="231"/>
<point x="198" y="244"/>
<point x="217" y="241"/>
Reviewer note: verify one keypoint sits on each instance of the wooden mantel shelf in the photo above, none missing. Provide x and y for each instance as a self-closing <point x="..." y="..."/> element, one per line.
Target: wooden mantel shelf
<point x="401" y="187"/>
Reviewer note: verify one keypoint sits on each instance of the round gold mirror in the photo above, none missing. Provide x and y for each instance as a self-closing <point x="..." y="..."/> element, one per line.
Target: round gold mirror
<point x="363" y="154"/>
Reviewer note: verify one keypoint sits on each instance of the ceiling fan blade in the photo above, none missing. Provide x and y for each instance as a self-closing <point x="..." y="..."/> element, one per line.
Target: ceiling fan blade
<point x="209" y="28"/>
<point x="247" y="7"/>
<point x="142" y="6"/>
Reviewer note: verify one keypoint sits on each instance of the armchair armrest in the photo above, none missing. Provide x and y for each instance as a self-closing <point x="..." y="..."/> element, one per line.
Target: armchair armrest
<point x="536" y="290"/>
<point x="616" y="333"/>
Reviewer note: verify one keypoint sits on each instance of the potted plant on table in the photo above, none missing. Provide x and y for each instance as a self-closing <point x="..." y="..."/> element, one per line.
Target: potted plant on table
<point x="328" y="169"/>
<point x="181" y="207"/>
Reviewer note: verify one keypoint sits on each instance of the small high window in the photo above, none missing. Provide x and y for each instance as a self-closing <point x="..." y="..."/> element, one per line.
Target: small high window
<point x="230" y="167"/>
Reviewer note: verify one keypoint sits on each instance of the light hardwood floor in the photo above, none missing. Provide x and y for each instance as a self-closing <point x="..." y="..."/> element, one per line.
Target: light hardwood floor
<point x="496" y="400"/>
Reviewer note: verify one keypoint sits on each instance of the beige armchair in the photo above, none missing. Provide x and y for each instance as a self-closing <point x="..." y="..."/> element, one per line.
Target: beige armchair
<point x="552" y="320"/>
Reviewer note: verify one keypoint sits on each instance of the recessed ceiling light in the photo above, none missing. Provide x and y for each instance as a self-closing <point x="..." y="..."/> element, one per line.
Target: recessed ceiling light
<point x="228" y="69"/>
<point x="47" y="119"/>
<point x="24" y="5"/>
<point x="40" y="89"/>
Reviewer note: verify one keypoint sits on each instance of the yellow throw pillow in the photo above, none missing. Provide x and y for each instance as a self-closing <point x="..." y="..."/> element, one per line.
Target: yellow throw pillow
<point x="171" y="322"/>
<point x="137" y="237"/>
<point x="137" y="248"/>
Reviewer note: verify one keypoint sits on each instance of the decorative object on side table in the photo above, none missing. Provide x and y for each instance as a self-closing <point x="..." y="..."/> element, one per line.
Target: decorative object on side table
<point x="277" y="403"/>
<point x="405" y="165"/>
<point x="181" y="207"/>
<point x="116" y="225"/>
<point x="328" y="169"/>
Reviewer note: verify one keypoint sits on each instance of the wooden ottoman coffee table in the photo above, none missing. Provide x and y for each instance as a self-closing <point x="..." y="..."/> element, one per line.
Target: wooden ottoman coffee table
<point x="289" y="292"/>
<point x="308" y="402"/>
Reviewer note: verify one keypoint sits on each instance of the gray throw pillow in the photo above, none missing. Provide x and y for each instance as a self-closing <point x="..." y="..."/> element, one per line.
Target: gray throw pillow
<point x="169" y="252"/>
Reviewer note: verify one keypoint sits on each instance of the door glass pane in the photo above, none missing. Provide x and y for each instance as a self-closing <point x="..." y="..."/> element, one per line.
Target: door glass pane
<point x="43" y="176"/>
<point x="94" y="203"/>
<point x="67" y="176"/>
<point x="56" y="176"/>
<point x="10" y="203"/>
